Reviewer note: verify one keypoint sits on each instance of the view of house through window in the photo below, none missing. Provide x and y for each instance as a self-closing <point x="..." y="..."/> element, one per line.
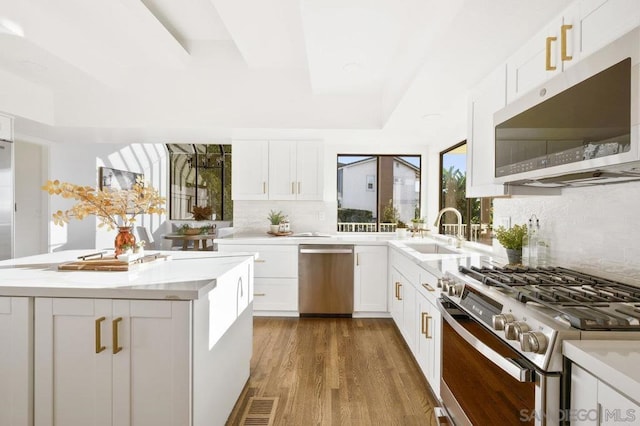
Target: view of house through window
<point x="377" y="193"/>
<point x="476" y="212"/>
<point x="200" y="175"/>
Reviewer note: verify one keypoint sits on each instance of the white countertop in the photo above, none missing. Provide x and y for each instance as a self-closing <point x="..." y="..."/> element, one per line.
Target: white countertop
<point x="613" y="361"/>
<point x="186" y="276"/>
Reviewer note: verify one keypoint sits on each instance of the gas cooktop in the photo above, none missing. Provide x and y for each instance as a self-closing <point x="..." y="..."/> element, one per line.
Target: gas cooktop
<point x="587" y="302"/>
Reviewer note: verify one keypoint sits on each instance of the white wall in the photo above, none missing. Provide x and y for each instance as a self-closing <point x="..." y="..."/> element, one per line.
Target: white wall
<point x="79" y="163"/>
<point x="593" y="229"/>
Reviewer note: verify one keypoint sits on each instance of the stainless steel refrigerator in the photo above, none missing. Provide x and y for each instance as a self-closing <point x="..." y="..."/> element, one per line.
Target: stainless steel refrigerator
<point x="6" y="200"/>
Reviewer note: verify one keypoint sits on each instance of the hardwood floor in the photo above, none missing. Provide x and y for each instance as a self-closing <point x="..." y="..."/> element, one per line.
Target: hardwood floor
<point x="335" y="371"/>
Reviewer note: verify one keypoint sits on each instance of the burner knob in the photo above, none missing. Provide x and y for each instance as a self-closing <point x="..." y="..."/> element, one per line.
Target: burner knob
<point x="521" y="328"/>
<point x="500" y="320"/>
<point x="454" y="289"/>
<point x="533" y="341"/>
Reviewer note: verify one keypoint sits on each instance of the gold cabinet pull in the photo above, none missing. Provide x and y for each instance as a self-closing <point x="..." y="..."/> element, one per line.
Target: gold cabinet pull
<point x="259" y="261"/>
<point x="259" y="294"/>
<point x="563" y="42"/>
<point x="293" y="187"/>
<point x="264" y="187"/>
<point x="397" y="289"/>
<point x="427" y="317"/>
<point x="399" y="295"/>
<point x="114" y="326"/>
<point x="423" y="329"/>
<point x="548" y="65"/>
<point x="99" y="347"/>
<point x="357" y="259"/>
<point x="299" y="185"/>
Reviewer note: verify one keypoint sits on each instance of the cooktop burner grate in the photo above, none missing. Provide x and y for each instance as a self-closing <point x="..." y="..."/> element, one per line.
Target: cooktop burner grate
<point x="586" y="301"/>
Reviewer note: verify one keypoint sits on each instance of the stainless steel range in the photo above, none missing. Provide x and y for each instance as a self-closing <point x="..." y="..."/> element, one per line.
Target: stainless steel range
<point x="502" y="338"/>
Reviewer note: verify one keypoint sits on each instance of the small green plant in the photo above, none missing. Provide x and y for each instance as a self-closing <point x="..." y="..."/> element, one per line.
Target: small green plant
<point x="390" y="213"/>
<point x="401" y="224"/>
<point x="511" y="238"/>
<point x="275" y="217"/>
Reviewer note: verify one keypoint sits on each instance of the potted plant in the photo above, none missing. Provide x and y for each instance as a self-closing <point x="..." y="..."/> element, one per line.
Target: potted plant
<point x="275" y="218"/>
<point x="401" y="229"/>
<point x="511" y="239"/>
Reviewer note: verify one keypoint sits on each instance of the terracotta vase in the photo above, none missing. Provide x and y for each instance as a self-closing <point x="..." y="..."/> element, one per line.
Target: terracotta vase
<point x="124" y="238"/>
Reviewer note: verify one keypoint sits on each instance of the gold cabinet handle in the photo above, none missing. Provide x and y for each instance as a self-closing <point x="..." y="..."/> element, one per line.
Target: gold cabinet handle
<point x="114" y="326"/>
<point x="99" y="347"/>
<point x="548" y="65"/>
<point x="399" y="295"/>
<point x="259" y="294"/>
<point x="426" y="317"/>
<point x="259" y="261"/>
<point x="357" y="259"/>
<point x="264" y="187"/>
<point x="293" y="187"/>
<point x="563" y="42"/>
<point x="299" y="186"/>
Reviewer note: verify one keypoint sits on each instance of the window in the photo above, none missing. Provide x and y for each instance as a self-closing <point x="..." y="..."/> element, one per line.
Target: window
<point x="476" y="212"/>
<point x="377" y="192"/>
<point x="200" y="175"/>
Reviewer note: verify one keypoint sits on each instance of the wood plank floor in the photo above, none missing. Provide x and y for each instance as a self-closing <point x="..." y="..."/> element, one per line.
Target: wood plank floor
<point x="336" y="371"/>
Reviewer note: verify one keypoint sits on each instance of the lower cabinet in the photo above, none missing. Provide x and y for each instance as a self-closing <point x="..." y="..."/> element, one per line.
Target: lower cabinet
<point x="132" y="362"/>
<point x="106" y="362"/>
<point x="427" y="348"/>
<point x="370" y="279"/>
<point x="414" y="310"/>
<point x="594" y="402"/>
<point x="16" y="355"/>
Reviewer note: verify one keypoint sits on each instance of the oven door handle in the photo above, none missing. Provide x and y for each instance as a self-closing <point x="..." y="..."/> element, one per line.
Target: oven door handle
<point x="511" y="366"/>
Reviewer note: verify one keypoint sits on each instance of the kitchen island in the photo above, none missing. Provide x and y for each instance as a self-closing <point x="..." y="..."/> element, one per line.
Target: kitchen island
<point x="167" y="342"/>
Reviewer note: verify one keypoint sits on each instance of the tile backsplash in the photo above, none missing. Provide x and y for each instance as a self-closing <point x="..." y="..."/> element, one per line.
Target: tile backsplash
<point x="304" y="216"/>
<point x="592" y="229"/>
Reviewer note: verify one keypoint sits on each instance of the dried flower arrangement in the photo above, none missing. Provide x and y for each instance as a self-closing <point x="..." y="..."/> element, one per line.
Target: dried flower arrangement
<point x="113" y="208"/>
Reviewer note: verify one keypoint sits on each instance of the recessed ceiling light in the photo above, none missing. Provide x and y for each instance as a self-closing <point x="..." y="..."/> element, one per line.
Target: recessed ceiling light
<point x="7" y="26"/>
<point x="352" y="66"/>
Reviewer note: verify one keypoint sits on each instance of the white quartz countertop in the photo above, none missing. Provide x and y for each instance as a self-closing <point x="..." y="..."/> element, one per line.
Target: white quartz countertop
<point x="615" y="362"/>
<point x="185" y="276"/>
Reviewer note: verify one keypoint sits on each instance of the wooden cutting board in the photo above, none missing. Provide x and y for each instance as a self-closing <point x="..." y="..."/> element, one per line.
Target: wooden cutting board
<point x="109" y="263"/>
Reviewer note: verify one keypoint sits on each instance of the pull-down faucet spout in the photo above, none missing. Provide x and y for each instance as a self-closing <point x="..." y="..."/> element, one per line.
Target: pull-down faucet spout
<point x="458" y="216"/>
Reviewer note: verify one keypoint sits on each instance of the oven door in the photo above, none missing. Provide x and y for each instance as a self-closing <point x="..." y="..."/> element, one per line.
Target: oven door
<point x="485" y="381"/>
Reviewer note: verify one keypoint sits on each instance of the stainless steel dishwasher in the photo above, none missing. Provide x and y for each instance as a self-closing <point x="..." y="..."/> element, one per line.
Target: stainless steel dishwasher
<point x="325" y="280"/>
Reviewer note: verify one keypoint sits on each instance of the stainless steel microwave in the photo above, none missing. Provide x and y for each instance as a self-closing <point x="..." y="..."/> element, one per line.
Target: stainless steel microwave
<point x="579" y="128"/>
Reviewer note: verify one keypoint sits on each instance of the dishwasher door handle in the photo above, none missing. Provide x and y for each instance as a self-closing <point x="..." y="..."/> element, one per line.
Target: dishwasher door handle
<point x="326" y="251"/>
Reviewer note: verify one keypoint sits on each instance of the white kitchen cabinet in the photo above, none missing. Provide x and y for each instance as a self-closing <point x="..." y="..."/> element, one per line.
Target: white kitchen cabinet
<point x="250" y="171"/>
<point x="277" y="170"/>
<point x="111" y="362"/>
<point x="487" y="98"/>
<point x="594" y="402"/>
<point x="6" y="128"/>
<point x="143" y="362"/>
<point x="581" y="29"/>
<point x="427" y="346"/>
<point x="403" y="306"/>
<point x="275" y="288"/>
<point x="370" y="279"/>
<point x="16" y="367"/>
<point x="295" y="170"/>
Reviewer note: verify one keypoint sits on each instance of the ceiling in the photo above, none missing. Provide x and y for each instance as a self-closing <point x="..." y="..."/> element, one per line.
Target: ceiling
<point x="107" y="70"/>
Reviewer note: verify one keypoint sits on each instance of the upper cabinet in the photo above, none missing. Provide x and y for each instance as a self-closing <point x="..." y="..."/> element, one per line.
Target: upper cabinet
<point x="277" y="170"/>
<point x="6" y="128"/>
<point x="487" y="98"/>
<point x="584" y="27"/>
<point x="250" y="170"/>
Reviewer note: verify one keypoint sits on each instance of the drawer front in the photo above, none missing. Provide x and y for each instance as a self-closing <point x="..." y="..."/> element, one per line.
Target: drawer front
<point x="275" y="294"/>
<point x="276" y="261"/>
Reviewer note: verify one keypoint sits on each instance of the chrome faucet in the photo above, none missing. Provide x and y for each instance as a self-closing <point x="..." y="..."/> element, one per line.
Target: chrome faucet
<point x="460" y="236"/>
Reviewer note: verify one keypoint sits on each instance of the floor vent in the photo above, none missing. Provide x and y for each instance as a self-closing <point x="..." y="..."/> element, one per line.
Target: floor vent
<point x="260" y="412"/>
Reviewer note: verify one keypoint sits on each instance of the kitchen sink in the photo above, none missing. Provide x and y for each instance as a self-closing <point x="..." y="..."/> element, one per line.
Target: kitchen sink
<point x="430" y="248"/>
